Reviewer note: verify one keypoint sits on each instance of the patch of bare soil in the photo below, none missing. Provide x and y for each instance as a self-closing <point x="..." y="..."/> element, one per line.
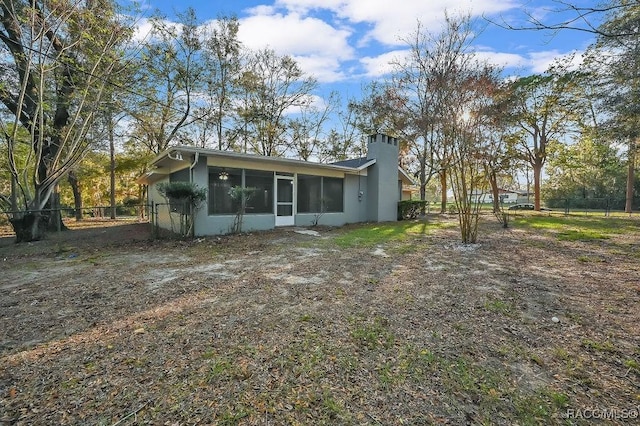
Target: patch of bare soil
<point x="106" y="326"/>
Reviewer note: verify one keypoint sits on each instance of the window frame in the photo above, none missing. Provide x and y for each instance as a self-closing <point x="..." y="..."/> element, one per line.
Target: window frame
<point x="242" y="173"/>
<point x="320" y="206"/>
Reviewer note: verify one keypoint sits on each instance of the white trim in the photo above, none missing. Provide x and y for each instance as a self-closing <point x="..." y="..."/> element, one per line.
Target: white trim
<point x="284" y="220"/>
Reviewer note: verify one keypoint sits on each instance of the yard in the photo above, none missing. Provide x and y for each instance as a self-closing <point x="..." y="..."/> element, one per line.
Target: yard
<point x="370" y="324"/>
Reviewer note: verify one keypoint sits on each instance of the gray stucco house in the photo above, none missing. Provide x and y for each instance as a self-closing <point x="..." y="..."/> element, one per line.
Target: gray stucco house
<point x="287" y="192"/>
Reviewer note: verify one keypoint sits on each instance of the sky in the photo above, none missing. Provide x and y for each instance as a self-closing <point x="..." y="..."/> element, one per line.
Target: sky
<point x="346" y="43"/>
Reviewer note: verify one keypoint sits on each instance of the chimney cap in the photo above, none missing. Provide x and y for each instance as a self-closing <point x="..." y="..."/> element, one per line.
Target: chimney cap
<point x="383" y="138"/>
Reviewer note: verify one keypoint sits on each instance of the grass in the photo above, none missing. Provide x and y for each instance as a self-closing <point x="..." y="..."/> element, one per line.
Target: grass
<point x="632" y="364"/>
<point x="500" y="307"/>
<point x="372" y="235"/>
<point x="573" y="228"/>
<point x="372" y="333"/>
<point x="605" y="346"/>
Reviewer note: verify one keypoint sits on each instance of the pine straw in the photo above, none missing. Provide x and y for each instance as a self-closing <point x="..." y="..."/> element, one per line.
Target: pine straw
<point x="283" y="328"/>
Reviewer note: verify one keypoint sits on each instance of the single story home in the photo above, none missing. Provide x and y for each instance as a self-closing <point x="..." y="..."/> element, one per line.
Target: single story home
<point x="506" y="196"/>
<point x="285" y="192"/>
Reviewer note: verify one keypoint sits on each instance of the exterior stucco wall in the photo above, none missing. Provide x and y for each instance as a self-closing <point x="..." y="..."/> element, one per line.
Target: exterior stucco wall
<point x="161" y="209"/>
<point x="223" y="224"/>
<point x="355" y="206"/>
<point x="370" y="194"/>
<point x="384" y="192"/>
<point x="327" y="219"/>
<point x="355" y="203"/>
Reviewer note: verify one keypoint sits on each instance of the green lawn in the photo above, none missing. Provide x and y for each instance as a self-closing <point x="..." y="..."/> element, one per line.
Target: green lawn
<point x="370" y="235"/>
<point x="578" y="228"/>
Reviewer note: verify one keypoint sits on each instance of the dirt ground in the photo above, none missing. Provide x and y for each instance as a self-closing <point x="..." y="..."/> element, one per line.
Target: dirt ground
<point x="104" y="325"/>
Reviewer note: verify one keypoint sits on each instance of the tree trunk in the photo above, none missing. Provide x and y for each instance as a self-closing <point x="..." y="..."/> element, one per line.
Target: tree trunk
<point x="112" y="169"/>
<point x="29" y="227"/>
<point x="142" y="196"/>
<point x="493" y="181"/>
<point x="77" y="196"/>
<point x="537" y="180"/>
<point x="443" y="188"/>
<point x="14" y="194"/>
<point x="628" y="206"/>
<point x="423" y="186"/>
<point x="52" y="220"/>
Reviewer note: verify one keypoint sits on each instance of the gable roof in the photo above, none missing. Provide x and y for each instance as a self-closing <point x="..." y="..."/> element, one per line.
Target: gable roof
<point x="356" y="163"/>
<point x="162" y="164"/>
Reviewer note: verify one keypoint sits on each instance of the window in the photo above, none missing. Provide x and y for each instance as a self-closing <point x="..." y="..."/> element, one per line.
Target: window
<point x="317" y="194"/>
<point x="261" y="200"/>
<point x="332" y="194"/>
<point x="309" y="193"/>
<point x="221" y="180"/>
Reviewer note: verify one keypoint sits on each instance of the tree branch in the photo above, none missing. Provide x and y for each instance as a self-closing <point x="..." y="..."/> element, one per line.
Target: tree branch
<point x="586" y="15"/>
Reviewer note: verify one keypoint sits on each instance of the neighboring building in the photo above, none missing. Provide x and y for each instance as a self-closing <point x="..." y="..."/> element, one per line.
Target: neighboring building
<point x="481" y="197"/>
<point x="525" y="197"/>
<point x="506" y="196"/>
<point x="288" y="192"/>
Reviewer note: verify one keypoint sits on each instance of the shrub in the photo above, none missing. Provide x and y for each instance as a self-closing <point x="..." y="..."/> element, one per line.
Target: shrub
<point x="183" y="191"/>
<point x="410" y="209"/>
<point x="184" y="198"/>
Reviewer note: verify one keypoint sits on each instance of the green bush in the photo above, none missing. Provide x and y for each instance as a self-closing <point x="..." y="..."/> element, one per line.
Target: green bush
<point x="184" y="191"/>
<point x="410" y="209"/>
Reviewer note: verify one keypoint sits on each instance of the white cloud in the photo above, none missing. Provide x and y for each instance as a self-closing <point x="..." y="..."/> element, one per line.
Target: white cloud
<point x="304" y="6"/>
<point x="339" y="40"/>
<point x="393" y="20"/>
<point x="534" y="62"/>
<point x="320" y="34"/>
<point x="324" y="68"/>
<point x="381" y="65"/>
<point x="540" y="61"/>
<point x="318" y="47"/>
<point x="261" y="10"/>
<point x="501" y="59"/>
<point x="295" y="35"/>
<point x="142" y="30"/>
<point x="314" y="102"/>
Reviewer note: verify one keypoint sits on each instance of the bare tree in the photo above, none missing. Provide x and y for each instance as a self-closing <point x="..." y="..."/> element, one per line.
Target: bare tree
<point x="221" y="73"/>
<point x="469" y="145"/>
<point x="569" y="15"/>
<point x="305" y="132"/>
<point x="346" y="138"/>
<point x="274" y="86"/>
<point x="499" y="157"/>
<point x="424" y="85"/>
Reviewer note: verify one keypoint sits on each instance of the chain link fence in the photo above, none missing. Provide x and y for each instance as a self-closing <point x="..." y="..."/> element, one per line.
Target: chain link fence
<point x="587" y="205"/>
<point x="59" y="218"/>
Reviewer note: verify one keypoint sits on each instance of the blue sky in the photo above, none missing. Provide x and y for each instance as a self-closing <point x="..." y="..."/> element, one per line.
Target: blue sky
<point x="344" y="43"/>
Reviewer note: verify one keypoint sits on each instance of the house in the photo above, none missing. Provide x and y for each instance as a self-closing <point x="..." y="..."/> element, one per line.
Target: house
<point x="286" y="192"/>
<point x="506" y="196"/>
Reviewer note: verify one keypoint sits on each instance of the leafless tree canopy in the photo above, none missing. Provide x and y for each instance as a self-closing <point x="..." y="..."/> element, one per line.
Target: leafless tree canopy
<point x="570" y="16"/>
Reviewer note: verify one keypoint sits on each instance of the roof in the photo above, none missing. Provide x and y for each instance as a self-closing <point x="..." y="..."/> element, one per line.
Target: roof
<point x="500" y="191"/>
<point x="355" y="162"/>
<point x="182" y="154"/>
